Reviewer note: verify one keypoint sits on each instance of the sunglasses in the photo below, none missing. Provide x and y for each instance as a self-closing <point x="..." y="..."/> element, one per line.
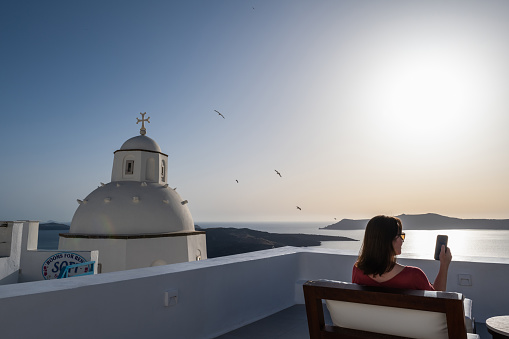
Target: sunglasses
<point x="402" y="235"/>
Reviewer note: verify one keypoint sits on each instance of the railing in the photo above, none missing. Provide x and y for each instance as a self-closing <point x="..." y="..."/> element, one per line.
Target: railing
<point x="87" y="268"/>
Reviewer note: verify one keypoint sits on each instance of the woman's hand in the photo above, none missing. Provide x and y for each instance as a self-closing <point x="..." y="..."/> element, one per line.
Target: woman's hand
<point x="445" y="256"/>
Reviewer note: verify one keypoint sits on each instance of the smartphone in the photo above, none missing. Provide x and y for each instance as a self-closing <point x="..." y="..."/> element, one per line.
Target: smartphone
<point x="441" y="240"/>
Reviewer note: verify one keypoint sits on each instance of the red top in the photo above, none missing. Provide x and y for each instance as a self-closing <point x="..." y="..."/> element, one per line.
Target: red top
<point x="410" y="278"/>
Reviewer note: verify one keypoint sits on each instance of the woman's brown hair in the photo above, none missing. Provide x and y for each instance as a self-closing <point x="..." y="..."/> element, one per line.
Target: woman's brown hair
<point x="377" y="256"/>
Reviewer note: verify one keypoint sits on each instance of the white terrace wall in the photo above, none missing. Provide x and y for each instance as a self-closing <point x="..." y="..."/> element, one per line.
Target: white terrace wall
<point x="16" y="238"/>
<point x="214" y="296"/>
<point x="10" y="251"/>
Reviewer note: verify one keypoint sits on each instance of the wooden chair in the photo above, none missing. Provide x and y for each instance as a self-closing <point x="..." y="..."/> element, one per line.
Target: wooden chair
<point x="373" y="312"/>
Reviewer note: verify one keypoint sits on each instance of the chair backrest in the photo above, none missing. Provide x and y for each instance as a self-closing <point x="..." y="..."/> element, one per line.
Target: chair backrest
<point x="374" y="312"/>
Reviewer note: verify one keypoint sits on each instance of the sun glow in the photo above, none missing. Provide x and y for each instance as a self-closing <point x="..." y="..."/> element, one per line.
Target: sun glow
<point x="427" y="93"/>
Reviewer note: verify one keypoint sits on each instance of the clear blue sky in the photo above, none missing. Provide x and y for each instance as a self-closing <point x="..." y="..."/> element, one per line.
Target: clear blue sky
<point x="365" y="107"/>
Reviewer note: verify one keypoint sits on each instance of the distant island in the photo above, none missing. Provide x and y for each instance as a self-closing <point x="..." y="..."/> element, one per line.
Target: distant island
<point x="53" y="226"/>
<point x="429" y="221"/>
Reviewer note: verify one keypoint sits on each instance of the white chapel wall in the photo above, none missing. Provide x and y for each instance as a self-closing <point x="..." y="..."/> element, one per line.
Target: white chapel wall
<point x="151" y="169"/>
<point x="143" y="252"/>
<point x="197" y="247"/>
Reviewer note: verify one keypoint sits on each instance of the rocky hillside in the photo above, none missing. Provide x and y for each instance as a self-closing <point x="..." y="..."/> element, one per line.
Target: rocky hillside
<point x="228" y="241"/>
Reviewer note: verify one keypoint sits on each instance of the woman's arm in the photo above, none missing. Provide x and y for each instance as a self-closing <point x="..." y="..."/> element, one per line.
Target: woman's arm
<point x="440" y="283"/>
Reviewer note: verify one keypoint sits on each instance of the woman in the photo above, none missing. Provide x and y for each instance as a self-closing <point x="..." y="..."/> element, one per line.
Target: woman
<point x="377" y="266"/>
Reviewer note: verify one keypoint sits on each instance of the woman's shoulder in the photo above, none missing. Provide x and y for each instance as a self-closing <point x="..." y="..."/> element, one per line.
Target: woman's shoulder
<point x="418" y="277"/>
<point x="413" y="270"/>
<point x="356" y="271"/>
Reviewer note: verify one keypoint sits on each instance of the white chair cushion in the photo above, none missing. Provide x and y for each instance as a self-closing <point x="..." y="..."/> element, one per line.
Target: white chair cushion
<point x="388" y="320"/>
<point x="395" y="321"/>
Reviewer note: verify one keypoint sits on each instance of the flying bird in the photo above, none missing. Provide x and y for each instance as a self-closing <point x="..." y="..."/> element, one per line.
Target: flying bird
<point x="237" y="181"/>
<point x="300" y="209"/>
<point x="277" y="172"/>
<point x="219" y="113"/>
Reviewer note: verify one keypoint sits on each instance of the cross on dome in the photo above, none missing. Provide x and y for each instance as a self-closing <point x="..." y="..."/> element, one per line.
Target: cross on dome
<point x="143" y="130"/>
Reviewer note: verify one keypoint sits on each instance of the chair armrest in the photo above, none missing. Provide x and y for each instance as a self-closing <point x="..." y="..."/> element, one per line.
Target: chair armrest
<point x="469" y="319"/>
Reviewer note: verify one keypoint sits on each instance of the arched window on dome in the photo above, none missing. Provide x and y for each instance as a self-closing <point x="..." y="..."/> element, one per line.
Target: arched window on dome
<point x="129" y="166"/>
<point x="163" y="171"/>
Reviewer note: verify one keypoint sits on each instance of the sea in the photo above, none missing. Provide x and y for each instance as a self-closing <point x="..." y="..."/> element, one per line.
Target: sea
<point x="467" y="244"/>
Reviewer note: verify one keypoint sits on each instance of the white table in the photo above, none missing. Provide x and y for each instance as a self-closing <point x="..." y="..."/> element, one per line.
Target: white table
<point x="498" y="327"/>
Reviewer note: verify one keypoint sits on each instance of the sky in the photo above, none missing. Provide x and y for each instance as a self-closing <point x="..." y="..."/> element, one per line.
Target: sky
<point x="364" y="107"/>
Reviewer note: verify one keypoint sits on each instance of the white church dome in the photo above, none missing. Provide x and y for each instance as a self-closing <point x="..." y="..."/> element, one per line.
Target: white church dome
<point x="138" y="200"/>
<point x="141" y="142"/>
<point x="132" y="207"/>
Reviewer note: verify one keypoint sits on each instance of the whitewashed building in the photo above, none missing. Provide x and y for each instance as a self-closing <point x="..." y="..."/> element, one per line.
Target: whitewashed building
<point x="136" y="220"/>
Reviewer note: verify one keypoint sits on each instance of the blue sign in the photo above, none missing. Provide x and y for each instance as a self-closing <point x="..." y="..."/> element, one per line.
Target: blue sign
<point x="52" y="266"/>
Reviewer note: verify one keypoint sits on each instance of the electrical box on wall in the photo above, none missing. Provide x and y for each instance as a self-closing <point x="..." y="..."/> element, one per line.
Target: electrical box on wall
<point x="171" y="297"/>
<point x="464" y="280"/>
